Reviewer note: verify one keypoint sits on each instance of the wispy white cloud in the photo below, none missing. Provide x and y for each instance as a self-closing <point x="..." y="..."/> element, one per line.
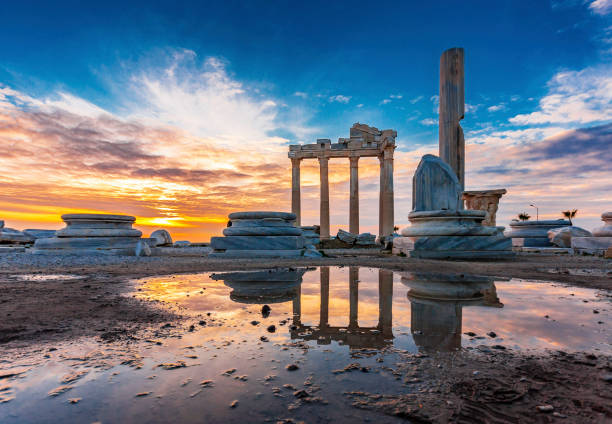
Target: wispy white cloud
<point x="416" y="99"/>
<point x="385" y="101"/>
<point x="429" y="121"/>
<point x="496" y="108"/>
<point x="396" y="96"/>
<point x="301" y="94"/>
<point x="574" y="97"/>
<point x="601" y="7"/>
<point x="339" y="98"/>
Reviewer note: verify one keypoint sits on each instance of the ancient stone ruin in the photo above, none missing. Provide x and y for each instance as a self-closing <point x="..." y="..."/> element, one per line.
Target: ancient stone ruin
<point x="259" y="234"/>
<point x="95" y="234"/>
<point x="259" y="287"/>
<point x="440" y="227"/>
<point x="601" y="240"/>
<point x="364" y="141"/>
<point x="533" y="233"/>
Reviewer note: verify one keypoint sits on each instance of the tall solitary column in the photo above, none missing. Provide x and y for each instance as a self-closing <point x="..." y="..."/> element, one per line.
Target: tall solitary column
<point x="324" y="213"/>
<point x="380" y="199"/>
<point x="387" y="193"/>
<point x="452" y="105"/>
<point x="296" y="201"/>
<point x="324" y="314"/>
<point x="354" y="196"/>
<point x="353" y="296"/>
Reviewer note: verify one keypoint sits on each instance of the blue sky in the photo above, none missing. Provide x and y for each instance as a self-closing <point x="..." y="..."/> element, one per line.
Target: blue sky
<point x="295" y="71"/>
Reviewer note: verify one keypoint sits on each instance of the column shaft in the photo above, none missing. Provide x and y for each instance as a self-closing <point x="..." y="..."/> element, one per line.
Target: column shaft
<point x="354" y="196"/>
<point x="380" y="200"/>
<point x="296" y="201"/>
<point x="353" y="296"/>
<point x="324" y="213"/>
<point x="385" y="302"/>
<point x="324" y="313"/>
<point x="388" y="210"/>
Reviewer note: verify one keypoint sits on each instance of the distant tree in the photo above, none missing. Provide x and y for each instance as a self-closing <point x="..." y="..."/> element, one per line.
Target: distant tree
<point x="570" y="214"/>
<point x="524" y="216"/>
<point x="396" y="228"/>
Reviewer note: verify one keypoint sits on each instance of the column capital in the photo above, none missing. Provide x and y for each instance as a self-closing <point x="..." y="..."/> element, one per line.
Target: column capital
<point x="323" y="160"/>
<point x="296" y="161"/>
<point x="354" y="161"/>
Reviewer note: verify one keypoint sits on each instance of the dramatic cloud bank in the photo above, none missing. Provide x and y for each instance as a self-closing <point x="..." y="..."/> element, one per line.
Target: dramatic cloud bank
<point x="191" y="144"/>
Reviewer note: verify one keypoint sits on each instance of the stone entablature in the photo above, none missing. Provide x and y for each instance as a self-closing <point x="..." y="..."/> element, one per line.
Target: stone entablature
<point x="363" y="141"/>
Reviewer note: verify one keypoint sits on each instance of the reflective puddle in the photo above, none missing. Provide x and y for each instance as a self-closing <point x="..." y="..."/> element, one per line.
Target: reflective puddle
<point x="274" y="344"/>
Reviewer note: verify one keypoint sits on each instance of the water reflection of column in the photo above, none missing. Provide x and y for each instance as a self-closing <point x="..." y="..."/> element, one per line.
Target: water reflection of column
<point x="385" y="302"/>
<point x="324" y="319"/>
<point x="297" y="307"/>
<point x="354" y="296"/>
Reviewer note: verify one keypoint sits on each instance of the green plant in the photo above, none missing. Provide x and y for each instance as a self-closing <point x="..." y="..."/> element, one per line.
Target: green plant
<point x="396" y="228"/>
<point x="570" y="214"/>
<point x="524" y="216"/>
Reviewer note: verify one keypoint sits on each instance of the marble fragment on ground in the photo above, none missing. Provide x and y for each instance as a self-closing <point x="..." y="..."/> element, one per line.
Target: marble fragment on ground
<point x="562" y="237"/>
<point x="12" y="236"/>
<point x="95" y="234"/>
<point x="440" y="227"/>
<point x="261" y="234"/>
<point x="600" y="241"/>
<point x="533" y="233"/>
<point x="161" y="238"/>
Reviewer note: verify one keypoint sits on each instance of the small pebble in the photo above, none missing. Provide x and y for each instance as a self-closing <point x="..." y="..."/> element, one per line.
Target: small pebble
<point x="234" y="404"/>
<point x="545" y="408"/>
<point x="271" y="329"/>
<point x="292" y="367"/>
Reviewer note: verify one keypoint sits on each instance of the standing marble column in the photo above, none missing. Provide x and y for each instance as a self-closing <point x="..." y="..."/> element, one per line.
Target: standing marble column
<point x="353" y="296"/>
<point x="387" y="193"/>
<point x="324" y="212"/>
<point x="452" y="105"/>
<point x="354" y="196"/>
<point x="296" y="201"/>
<point x="324" y="313"/>
<point x="380" y="199"/>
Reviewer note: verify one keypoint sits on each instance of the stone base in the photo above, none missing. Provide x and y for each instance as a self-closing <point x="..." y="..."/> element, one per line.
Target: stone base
<point x="89" y="245"/>
<point x="591" y="245"/>
<point x="235" y="253"/>
<point x="11" y="249"/>
<point x="545" y="250"/>
<point x="257" y="243"/>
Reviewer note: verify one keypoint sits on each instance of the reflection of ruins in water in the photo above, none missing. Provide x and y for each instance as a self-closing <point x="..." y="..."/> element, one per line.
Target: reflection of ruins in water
<point x="354" y="336"/>
<point x="437" y="302"/>
<point x="266" y="286"/>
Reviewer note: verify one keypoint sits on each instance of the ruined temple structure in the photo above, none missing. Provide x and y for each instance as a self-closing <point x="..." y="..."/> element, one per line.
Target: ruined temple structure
<point x="364" y="141"/>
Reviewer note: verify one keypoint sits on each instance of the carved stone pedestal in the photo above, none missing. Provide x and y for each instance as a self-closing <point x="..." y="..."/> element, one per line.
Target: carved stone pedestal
<point x="484" y="200"/>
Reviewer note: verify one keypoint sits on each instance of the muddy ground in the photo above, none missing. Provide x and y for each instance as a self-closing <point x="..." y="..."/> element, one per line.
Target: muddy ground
<point x="495" y="387"/>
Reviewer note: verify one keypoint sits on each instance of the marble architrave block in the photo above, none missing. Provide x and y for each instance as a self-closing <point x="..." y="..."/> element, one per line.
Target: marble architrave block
<point x="257" y="243"/>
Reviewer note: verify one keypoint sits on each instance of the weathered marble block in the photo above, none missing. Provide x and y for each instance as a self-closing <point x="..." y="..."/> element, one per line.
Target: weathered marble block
<point x="162" y="238"/>
<point x="36" y="233"/>
<point x="600" y="242"/>
<point x="257" y="243"/>
<point x="484" y="200"/>
<point x="533" y="233"/>
<point x="440" y="227"/>
<point x="94" y="234"/>
<point x="562" y="237"/>
<point x="259" y="234"/>
<point x="12" y="236"/>
<point x="262" y="231"/>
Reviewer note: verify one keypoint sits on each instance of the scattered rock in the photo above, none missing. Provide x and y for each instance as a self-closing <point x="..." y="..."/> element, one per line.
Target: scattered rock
<point x="254" y="322"/>
<point x="301" y="394"/>
<point x="172" y="365"/>
<point x="229" y="372"/>
<point x="74" y="400"/>
<point x="492" y="334"/>
<point x="562" y="237"/>
<point x="470" y="333"/>
<point x="234" y="404"/>
<point x="265" y="311"/>
<point x="545" y="408"/>
<point x="292" y="367"/>
<point x="161" y="238"/>
<point x="263" y="339"/>
<point x="59" y="390"/>
<point x="143" y="394"/>
<point x="207" y="383"/>
<point x="142" y="248"/>
<point x="182" y="243"/>
<point x="271" y="328"/>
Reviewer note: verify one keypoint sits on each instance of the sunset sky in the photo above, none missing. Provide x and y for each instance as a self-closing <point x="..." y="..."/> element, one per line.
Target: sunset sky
<point x="179" y="114"/>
